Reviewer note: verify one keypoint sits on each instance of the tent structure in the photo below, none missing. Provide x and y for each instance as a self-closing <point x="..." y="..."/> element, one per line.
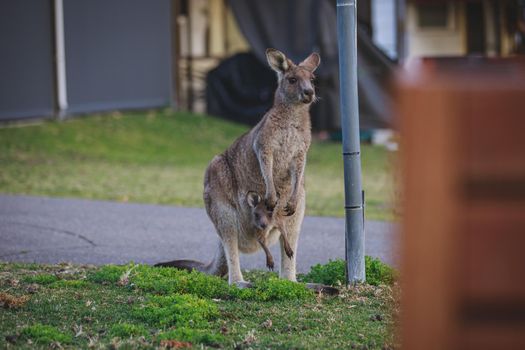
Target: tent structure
<point x="241" y="87"/>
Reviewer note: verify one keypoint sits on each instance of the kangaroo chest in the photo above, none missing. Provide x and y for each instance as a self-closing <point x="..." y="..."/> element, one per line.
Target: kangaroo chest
<point x="288" y="145"/>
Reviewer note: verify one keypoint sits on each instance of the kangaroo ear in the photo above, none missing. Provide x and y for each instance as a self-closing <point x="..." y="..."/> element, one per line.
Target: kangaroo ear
<point x="311" y="62"/>
<point x="253" y="199"/>
<point x="277" y="60"/>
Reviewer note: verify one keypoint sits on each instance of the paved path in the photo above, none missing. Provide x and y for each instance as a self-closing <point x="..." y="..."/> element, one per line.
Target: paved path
<point x="50" y="230"/>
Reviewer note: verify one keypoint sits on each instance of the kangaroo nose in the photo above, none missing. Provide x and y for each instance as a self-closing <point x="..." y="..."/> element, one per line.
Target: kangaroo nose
<point x="308" y="92"/>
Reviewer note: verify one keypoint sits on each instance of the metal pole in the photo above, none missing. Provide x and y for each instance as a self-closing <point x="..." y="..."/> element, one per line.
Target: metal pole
<point x="355" y="235"/>
<point x="60" y="59"/>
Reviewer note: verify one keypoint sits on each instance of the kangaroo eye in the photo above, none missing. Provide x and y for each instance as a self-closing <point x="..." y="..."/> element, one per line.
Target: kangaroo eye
<point x="292" y="80"/>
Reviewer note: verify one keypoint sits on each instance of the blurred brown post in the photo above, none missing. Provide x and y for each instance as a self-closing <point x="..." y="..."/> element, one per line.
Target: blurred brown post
<point x="463" y="149"/>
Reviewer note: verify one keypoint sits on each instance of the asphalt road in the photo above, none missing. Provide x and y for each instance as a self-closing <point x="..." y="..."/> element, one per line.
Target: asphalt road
<point x="51" y="230"/>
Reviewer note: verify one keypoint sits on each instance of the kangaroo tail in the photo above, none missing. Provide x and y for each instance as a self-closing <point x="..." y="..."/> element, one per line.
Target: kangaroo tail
<point x="218" y="266"/>
<point x="184" y="265"/>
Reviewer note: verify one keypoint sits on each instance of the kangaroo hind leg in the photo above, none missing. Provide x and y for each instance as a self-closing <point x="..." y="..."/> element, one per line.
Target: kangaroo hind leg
<point x="289" y="238"/>
<point x="226" y="221"/>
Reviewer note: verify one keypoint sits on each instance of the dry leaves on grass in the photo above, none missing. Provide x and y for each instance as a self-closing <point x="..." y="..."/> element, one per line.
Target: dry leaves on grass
<point x="250" y="338"/>
<point x="175" y="344"/>
<point x="267" y="324"/>
<point x="9" y="301"/>
<point x="32" y="288"/>
<point x="124" y="278"/>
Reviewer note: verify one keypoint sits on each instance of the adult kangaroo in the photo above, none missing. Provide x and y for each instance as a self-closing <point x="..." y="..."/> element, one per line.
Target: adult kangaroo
<point x="269" y="159"/>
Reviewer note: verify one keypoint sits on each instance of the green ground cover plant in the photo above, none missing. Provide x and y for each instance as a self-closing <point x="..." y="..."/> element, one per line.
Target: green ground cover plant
<point x="167" y="281"/>
<point x="127" y="330"/>
<point x="160" y="157"/>
<point x="44" y="335"/>
<point x="333" y="273"/>
<point x="116" y="307"/>
<point x="180" y="310"/>
<point x="41" y="279"/>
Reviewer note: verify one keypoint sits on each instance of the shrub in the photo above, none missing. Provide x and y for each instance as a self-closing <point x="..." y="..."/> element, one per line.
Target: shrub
<point x="378" y="272"/>
<point x="43" y="334"/>
<point x="334" y="272"/>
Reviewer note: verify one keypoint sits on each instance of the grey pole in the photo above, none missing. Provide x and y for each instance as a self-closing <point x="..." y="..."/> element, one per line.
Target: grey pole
<point x="355" y="234"/>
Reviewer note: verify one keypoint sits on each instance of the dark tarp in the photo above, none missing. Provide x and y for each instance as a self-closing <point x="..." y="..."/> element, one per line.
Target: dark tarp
<point x="238" y="88"/>
<point x="241" y="89"/>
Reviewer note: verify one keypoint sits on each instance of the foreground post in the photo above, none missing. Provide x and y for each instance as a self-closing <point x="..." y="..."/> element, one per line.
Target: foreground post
<point x="355" y="234"/>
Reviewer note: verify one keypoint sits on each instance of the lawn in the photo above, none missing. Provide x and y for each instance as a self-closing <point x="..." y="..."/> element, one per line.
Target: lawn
<point x="160" y="157"/>
<point x="133" y="306"/>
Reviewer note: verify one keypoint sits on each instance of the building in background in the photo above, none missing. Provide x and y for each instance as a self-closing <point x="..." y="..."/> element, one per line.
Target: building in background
<point x="69" y="57"/>
<point x="62" y="58"/>
<point x="206" y="32"/>
<point x="461" y="28"/>
<point x="65" y="57"/>
<point x="226" y="73"/>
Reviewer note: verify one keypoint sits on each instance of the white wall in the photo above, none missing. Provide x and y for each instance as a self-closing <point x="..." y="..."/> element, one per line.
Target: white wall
<point x="426" y="42"/>
<point x="384" y="24"/>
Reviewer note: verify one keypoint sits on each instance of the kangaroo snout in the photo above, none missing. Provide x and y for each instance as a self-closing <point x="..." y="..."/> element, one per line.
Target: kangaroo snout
<point x="262" y="225"/>
<point x="261" y="217"/>
<point x="307" y="95"/>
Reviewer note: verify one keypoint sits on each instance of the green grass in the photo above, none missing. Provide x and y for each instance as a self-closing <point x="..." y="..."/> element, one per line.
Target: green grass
<point x="110" y="309"/>
<point x="44" y="335"/>
<point x="127" y="330"/>
<point x="160" y="157"/>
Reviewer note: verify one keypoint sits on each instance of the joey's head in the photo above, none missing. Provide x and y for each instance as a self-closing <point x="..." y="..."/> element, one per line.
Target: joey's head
<point x="295" y="81"/>
<point x="261" y="216"/>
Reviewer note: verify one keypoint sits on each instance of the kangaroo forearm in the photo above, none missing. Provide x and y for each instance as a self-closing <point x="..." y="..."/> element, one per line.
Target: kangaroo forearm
<point x="296" y="182"/>
<point x="297" y="177"/>
<point x="266" y="166"/>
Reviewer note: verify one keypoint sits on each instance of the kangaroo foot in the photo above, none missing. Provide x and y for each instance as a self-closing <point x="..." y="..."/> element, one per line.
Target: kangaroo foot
<point x="243" y="284"/>
<point x="322" y="288"/>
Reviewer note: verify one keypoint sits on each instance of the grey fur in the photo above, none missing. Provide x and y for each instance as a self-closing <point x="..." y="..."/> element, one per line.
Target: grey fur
<point x="262" y="218"/>
<point x="269" y="159"/>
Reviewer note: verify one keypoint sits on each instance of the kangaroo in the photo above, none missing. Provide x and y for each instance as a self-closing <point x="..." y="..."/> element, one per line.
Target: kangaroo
<point x="269" y="159"/>
<point x="262" y="219"/>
